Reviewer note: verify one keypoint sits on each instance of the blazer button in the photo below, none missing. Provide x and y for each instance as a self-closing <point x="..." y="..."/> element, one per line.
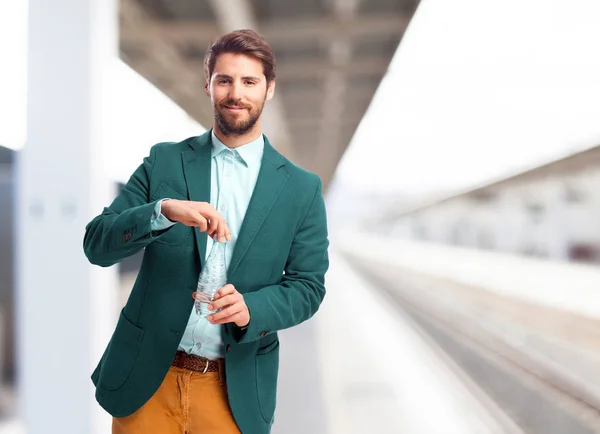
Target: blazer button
<point x="228" y="348"/>
<point x="127" y="236"/>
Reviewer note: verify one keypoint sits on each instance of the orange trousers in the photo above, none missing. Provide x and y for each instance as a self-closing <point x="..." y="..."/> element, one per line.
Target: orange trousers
<point x="187" y="402"/>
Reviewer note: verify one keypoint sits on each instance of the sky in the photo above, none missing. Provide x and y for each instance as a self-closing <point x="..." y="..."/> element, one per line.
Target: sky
<point x="477" y="90"/>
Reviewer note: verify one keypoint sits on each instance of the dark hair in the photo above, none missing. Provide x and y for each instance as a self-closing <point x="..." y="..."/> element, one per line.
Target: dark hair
<point x="246" y="42"/>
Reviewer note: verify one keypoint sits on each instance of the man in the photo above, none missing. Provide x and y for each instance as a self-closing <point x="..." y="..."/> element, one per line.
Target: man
<point x="166" y="370"/>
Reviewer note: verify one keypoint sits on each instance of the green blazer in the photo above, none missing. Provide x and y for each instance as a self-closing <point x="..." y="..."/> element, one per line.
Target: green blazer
<point x="279" y="263"/>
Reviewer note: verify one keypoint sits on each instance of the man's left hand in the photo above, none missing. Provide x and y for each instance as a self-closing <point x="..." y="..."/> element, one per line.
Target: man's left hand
<point x="232" y="305"/>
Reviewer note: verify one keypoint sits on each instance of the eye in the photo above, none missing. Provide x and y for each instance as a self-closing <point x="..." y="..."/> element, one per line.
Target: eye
<point x="223" y="81"/>
<point x="250" y="82"/>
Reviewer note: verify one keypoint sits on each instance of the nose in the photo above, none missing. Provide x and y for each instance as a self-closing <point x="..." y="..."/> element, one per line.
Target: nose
<point x="235" y="91"/>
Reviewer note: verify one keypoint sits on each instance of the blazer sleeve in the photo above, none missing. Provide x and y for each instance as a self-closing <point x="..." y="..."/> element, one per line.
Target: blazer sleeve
<point x="302" y="289"/>
<point x="124" y="228"/>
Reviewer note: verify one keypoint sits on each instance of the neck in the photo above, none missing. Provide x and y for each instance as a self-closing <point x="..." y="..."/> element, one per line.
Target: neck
<point x="233" y="142"/>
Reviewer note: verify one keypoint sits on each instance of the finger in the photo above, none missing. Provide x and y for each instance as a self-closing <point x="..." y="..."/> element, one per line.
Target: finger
<point x="226" y="290"/>
<point x="213" y="226"/>
<point x="218" y="230"/>
<point x="222" y="230"/>
<point x="208" y="211"/>
<point x="226" y="231"/>
<point x="200" y="221"/>
<point x="237" y="318"/>
<point x="213" y="234"/>
<point x="224" y="316"/>
<point x="223" y="302"/>
<point x="203" y="296"/>
<point x="233" y="318"/>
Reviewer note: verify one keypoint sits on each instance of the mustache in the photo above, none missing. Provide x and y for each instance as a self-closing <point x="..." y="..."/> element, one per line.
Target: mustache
<point x="231" y="102"/>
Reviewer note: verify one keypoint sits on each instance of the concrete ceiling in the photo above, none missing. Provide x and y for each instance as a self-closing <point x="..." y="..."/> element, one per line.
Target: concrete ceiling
<point x="331" y="57"/>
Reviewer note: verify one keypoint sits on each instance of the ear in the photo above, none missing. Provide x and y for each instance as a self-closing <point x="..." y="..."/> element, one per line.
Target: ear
<point x="207" y="87"/>
<point x="270" y="90"/>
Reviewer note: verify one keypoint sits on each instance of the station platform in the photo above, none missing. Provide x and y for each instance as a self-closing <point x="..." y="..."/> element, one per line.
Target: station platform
<point x="524" y="331"/>
<point x="408" y="340"/>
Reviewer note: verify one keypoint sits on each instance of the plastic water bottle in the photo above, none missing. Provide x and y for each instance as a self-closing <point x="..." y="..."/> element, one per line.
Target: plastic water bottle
<point x="212" y="278"/>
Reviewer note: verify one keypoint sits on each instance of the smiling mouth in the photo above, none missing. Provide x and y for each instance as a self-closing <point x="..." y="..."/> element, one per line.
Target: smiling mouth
<point x="234" y="108"/>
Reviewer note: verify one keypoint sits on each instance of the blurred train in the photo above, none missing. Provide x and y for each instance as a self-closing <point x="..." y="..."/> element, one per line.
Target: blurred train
<point x="551" y="211"/>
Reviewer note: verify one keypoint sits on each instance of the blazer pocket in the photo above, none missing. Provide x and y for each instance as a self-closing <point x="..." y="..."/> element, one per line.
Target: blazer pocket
<point x="121" y="354"/>
<point x="267" y="367"/>
<point x="176" y="235"/>
<point x="266" y="349"/>
<point x="164" y="191"/>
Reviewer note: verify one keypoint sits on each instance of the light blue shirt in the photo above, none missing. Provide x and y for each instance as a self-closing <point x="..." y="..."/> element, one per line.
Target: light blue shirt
<point x="233" y="177"/>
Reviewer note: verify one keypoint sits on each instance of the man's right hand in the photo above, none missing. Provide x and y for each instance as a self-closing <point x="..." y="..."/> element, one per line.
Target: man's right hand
<point x="202" y="215"/>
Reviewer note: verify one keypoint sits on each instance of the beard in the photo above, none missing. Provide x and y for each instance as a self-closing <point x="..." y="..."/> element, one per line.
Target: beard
<point x="230" y="126"/>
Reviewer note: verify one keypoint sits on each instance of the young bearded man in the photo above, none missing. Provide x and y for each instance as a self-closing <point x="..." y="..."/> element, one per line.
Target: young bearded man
<point x="166" y="370"/>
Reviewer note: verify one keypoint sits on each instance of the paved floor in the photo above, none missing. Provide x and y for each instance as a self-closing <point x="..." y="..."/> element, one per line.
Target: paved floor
<point x="358" y="367"/>
<point x="377" y="373"/>
<point x="300" y="406"/>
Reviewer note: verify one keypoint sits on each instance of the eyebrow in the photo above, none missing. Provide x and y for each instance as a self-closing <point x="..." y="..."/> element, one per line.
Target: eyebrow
<point x="248" y="77"/>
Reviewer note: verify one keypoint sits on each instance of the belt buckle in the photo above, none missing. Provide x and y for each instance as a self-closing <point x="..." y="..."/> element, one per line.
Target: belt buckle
<point x="206" y="367"/>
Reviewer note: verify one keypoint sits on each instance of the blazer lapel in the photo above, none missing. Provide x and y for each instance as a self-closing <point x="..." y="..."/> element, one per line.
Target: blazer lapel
<point x="269" y="185"/>
<point x="196" y="168"/>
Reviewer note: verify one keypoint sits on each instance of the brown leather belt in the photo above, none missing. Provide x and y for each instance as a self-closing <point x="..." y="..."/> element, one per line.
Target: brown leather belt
<point x="195" y="363"/>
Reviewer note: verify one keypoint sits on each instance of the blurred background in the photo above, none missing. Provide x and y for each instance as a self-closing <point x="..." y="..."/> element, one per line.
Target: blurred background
<point x="459" y="146"/>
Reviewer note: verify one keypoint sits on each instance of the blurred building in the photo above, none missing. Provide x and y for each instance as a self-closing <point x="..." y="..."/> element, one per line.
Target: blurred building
<point x="331" y="58"/>
<point x="551" y="211"/>
<point x="127" y="269"/>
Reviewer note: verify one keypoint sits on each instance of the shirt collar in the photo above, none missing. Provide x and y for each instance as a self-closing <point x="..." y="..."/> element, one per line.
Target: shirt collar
<point x="250" y="153"/>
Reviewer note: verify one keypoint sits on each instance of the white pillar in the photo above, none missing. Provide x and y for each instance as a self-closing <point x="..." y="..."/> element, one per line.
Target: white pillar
<point x="64" y="305"/>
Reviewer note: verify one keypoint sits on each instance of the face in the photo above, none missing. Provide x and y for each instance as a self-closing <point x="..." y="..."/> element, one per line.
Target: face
<point x="238" y="90"/>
